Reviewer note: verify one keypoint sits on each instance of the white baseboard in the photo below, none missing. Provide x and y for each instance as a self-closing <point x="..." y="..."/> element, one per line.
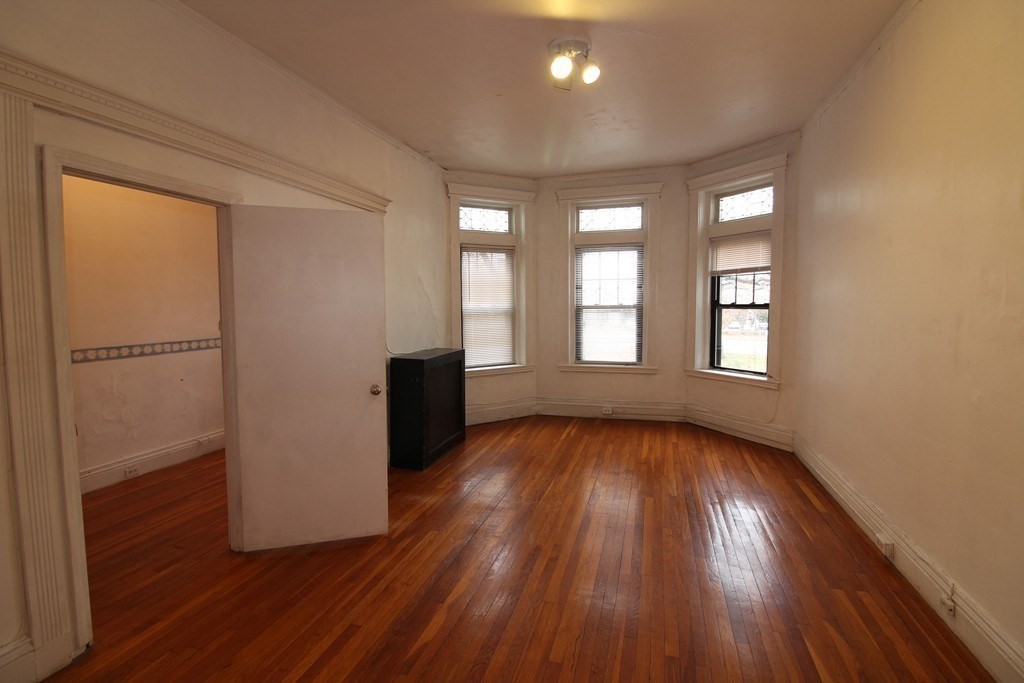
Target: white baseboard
<point x="479" y="413"/>
<point x="17" y="661"/>
<point x="990" y="643"/>
<point x="743" y="427"/>
<point x="769" y="434"/>
<point x="111" y="473"/>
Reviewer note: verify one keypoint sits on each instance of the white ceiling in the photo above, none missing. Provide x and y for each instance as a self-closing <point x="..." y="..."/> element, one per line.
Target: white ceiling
<point x="465" y="82"/>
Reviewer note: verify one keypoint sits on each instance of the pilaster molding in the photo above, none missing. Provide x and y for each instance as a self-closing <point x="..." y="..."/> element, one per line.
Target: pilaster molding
<point x="35" y="461"/>
<point x="66" y="95"/>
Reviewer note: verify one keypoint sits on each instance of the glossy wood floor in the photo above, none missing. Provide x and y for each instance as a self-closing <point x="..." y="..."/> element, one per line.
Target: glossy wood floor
<point x="544" y="548"/>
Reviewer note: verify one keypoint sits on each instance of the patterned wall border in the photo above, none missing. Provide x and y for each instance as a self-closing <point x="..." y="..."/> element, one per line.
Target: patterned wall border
<point x="139" y="350"/>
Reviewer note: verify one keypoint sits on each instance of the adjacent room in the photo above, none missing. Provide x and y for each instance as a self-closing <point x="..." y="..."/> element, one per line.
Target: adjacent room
<point x="734" y="294"/>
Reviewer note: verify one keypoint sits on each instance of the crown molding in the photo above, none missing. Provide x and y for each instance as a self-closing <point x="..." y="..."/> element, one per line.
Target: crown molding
<point x="66" y="95"/>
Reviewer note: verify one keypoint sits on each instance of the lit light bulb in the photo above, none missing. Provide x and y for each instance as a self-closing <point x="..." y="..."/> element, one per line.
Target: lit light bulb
<point x="591" y="72"/>
<point x="561" y="67"/>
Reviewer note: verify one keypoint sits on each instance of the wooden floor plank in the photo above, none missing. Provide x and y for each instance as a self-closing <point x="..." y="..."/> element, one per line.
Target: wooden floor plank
<point x="544" y="548"/>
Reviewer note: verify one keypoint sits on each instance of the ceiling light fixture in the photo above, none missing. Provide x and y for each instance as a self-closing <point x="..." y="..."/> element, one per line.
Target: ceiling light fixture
<point x="571" y="54"/>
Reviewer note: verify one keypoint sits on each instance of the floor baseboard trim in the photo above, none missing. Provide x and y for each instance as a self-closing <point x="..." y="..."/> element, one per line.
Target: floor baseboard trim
<point x="111" y="473"/>
<point x="17" y="661"/>
<point x="479" y="413"/>
<point x="990" y="643"/>
<point x="745" y="428"/>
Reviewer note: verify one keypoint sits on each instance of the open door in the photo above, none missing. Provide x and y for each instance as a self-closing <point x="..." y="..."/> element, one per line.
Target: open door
<point x="303" y="328"/>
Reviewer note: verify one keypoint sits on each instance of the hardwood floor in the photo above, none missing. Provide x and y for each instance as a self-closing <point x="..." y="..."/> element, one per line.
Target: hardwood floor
<point x="543" y="548"/>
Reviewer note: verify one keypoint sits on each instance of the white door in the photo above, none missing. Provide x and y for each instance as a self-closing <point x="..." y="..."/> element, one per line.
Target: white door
<point x="303" y="329"/>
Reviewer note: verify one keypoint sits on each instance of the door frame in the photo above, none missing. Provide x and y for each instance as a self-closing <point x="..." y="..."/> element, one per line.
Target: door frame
<point x="56" y="163"/>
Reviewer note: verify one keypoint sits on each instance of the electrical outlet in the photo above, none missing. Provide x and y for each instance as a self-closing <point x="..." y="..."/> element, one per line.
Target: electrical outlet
<point x="606" y="410"/>
<point x="130" y="472"/>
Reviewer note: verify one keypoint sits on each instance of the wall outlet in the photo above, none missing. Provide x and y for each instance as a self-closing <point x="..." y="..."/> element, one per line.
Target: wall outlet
<point x="130" y="472"/>
<point x="606" y="410"/>
<point x="887" y="547"/>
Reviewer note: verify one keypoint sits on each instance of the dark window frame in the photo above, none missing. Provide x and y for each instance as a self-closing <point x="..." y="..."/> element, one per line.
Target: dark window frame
<point x="715" y="348"/>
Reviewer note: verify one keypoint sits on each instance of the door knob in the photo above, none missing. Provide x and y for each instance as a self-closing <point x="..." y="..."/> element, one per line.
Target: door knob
<point x="375" y="389"/>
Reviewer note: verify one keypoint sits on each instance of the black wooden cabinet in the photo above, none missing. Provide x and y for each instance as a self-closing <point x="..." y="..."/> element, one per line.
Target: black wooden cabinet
<point x="427" y="406"/>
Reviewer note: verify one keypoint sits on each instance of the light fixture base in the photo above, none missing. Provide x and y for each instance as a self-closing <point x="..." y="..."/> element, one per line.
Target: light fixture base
<point x="571" y="46"/>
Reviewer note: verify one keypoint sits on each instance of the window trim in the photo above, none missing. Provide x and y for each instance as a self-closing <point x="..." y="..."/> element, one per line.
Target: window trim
<point x="647" y="195"/>
<point x="704" y="191"/>
<point x="520" y="204"/>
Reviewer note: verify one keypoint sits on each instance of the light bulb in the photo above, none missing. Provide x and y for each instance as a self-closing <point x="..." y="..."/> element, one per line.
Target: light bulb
<point x="561" y="67"/>
<point x="591" y="72"/>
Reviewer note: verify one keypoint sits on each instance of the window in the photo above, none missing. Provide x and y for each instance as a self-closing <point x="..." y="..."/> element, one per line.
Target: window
<point x="609" y="235"/>
<point x="741" y="282"/>
<point x="609" y="304"/>
<point x="488" y="306"/>
<point x="487" y="280"/>
<point x="735" y="249"/>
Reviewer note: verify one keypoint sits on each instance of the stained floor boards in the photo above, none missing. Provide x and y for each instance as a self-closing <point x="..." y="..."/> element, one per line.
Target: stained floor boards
<point x="544" y="548"/>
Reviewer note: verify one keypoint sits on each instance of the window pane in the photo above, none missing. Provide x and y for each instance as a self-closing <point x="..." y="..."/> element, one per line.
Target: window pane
<point x="485" y="220"/>
<point x="727" y="289"/>
<point x="746" y="204"/>
<point x="488" y="307"/>
<point x="608" y="278"/>
<point x="742" y="339"/>
<point x="762" y="288"/>
<point x="611" y="218"/>
<point x="608" y="335"/>
<point x="609" y="304"/>
<point x="745" y="288"/>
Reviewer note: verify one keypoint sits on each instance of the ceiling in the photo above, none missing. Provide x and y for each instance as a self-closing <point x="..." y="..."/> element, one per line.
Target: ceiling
<point x="465" y="82"/>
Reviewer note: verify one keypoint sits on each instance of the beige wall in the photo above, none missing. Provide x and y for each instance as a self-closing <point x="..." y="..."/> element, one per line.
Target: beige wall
<point x="910" y="302"/>
<point x="141" y="269"/>
<point x="163" y="57"/>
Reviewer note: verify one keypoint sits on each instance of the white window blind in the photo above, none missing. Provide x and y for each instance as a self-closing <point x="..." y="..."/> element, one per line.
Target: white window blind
<point x="609" y="304"/>
<point x="488" y="306"/>
<point x="746" y="253"/>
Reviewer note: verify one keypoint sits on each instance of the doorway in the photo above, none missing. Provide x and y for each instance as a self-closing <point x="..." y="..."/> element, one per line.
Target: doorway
<point x="59" y="165"/>
<point x="144" y="329"/>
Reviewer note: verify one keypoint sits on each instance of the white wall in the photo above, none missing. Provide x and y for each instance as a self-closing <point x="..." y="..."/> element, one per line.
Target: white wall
<point x="162" y="56"/>
<point x="910" y="304"/>
<point x="141" y="270"/>
<point x="165" y="56"/>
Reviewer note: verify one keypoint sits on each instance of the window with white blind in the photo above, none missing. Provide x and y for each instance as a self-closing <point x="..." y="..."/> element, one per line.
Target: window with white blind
<point x="610" y="232"/>
<point x="488" y="306"/>
<point x="609" y="304"/>
<point x="735" y="245"/>
<point x="489" y="296"/>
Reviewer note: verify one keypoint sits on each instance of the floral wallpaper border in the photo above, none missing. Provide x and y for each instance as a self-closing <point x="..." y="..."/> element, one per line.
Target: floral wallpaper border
<point x="140" y="350"/>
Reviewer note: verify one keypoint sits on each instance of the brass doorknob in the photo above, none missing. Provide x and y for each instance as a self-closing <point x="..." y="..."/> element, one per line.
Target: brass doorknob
<point x="375" y="390"/>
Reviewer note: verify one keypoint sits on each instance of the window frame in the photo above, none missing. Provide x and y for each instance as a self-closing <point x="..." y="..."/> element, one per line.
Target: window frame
<point x="704" y="226"/>
<point x="518" y="203"/>
<point x="572" y="200"/>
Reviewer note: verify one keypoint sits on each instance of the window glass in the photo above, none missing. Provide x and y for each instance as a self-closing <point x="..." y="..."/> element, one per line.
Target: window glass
<point x="740" y="322"/>
<point x="746" y="204"/>
<point x="609" y="304"/>
<point x="484" y="219"/>
<point x="488" y="306"/>
<point x="605" y="218"/>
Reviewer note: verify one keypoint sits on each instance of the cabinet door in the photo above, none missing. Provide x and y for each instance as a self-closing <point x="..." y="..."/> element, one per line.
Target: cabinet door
<point x="303" y="309"/>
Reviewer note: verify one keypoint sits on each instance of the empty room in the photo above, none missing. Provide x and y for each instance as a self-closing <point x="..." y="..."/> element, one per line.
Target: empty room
<point x="512" y="340"/>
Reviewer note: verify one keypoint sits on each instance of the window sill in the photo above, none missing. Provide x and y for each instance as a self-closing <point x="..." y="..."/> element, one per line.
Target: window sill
<point x="588" y="367"/>
<point x="736" y="378"/>
<point x="498" y="370"/>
